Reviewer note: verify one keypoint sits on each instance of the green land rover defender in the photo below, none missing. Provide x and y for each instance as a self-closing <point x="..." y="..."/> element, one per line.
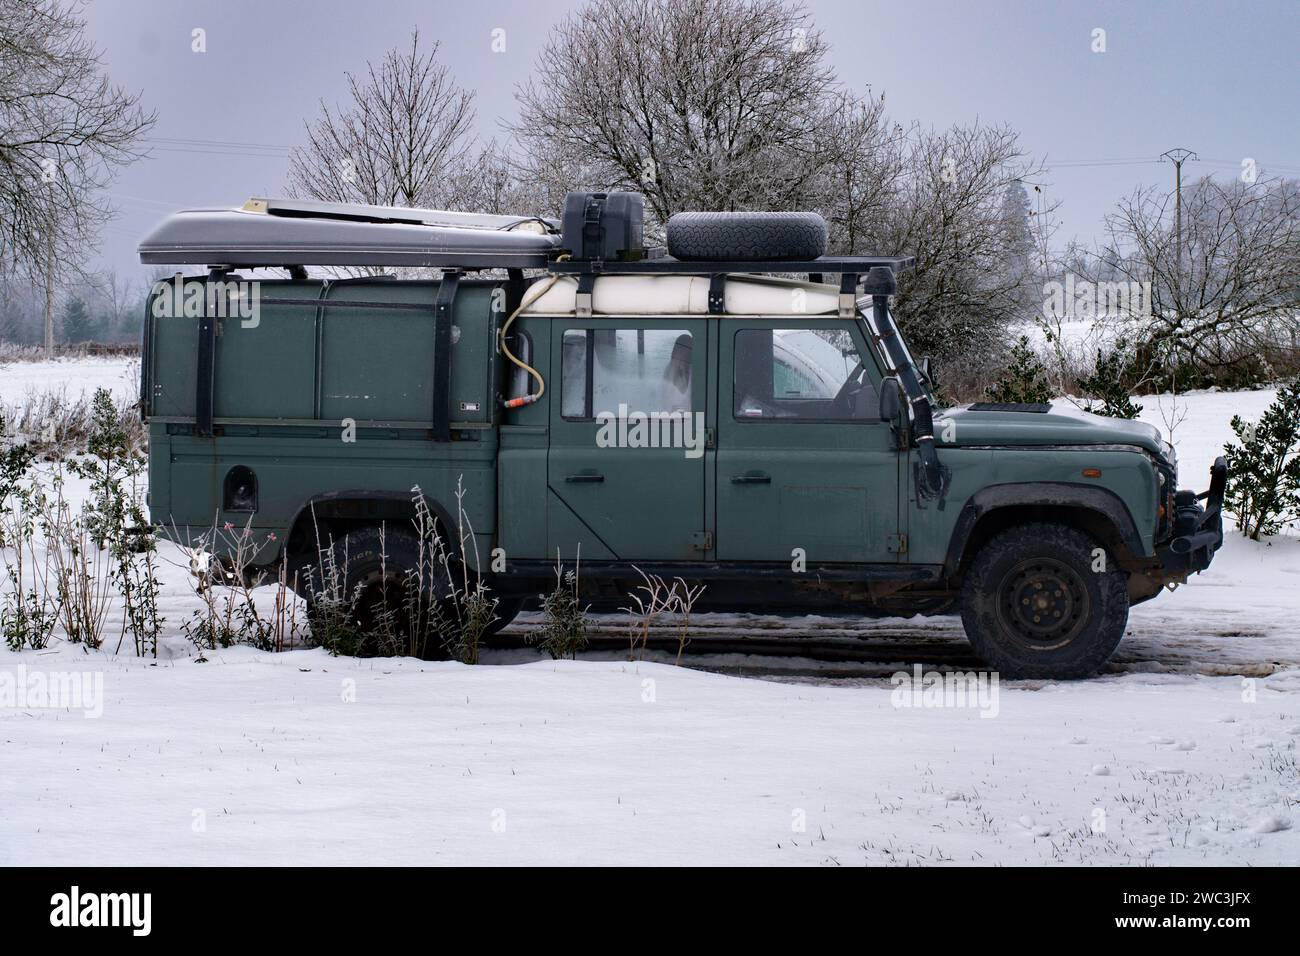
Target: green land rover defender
<point x="559" y="391"/>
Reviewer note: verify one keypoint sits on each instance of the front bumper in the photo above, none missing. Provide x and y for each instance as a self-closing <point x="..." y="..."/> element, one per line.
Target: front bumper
<point x="1197" y="529"/>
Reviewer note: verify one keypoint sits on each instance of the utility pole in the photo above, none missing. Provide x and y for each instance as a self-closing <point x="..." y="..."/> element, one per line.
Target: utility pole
<point x="1178" y="156"/>
<point x="49" y="297"/>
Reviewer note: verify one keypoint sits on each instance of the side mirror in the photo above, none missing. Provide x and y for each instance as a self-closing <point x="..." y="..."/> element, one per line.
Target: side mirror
<point x="891" y="400"/>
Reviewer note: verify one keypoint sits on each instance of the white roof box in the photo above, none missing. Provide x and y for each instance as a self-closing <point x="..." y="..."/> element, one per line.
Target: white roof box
<point x="284" y="232"/>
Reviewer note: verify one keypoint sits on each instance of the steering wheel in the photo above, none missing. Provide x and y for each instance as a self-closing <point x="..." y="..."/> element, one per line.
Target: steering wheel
<point x="843" y="401"/>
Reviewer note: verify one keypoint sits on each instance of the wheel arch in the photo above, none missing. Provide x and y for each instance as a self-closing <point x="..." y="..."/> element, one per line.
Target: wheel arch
<point x="1098" y="511"/>
<point x="337" y="512"/>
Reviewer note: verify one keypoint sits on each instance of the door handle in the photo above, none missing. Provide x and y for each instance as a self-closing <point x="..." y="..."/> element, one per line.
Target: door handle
<point x="752" y="478"/>
<point x="589" y="477"/>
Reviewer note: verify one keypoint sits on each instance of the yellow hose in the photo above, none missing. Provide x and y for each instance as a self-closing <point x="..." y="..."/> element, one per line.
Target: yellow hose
<point x="526" y="300"/>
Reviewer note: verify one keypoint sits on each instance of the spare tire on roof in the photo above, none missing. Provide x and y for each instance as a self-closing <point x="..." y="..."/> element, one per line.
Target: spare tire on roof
<point x="746" y="236"/>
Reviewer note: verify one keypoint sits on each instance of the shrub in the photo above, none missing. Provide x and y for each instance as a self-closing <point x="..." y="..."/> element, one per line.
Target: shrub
<point x="564" y="620"/>
<point x="15" y="459"/>
<point x="1024" y="380"/>
<point x="1264" y="469"/>
<point x="232" y="617"/>
<point x="114" y="516"/>
<point x="1107" y="385"/>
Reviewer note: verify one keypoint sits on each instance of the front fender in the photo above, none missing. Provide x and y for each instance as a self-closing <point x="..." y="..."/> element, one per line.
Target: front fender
<point x="1102" y="502"/>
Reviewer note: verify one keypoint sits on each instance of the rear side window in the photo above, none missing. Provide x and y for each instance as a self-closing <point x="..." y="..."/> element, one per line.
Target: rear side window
<point x="804" y="374"/>
<point x="626" y="370"/>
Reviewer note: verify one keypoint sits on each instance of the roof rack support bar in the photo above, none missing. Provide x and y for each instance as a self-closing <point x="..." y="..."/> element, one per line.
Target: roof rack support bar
<point x="205" y="377"/>
<point x="848" y="295"/>
<point x="718" y="294"/>
<point x="515" y="288"/>
<point x="442" y="306"/>
<point x="582" y="300"/>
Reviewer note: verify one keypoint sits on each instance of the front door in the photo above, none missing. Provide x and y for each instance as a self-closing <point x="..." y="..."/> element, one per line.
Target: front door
<point x="626" y="467"/>
<point x="805" y="468"/>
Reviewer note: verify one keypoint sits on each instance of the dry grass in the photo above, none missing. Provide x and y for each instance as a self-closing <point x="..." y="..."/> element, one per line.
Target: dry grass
<point x="16" y="352"/>
<point x="55" y="426"/>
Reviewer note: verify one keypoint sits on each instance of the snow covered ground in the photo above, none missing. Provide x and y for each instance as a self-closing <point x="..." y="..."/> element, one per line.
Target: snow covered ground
<point x="74" y="377"/>
<point x="1184" y="752"/>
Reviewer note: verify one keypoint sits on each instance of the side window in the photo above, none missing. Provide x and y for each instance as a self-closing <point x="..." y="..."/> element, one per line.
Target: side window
<point x="804" y="374"/>
<point x="647" y="370"/>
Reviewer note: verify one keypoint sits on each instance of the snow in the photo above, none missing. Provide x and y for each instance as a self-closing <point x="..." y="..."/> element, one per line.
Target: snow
<point x="302" y="758"/>
<point x="1183" y="752"/>
<point x="72" y="377"/>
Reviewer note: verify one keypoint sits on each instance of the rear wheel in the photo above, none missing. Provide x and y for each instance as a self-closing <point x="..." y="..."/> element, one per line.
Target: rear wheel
<point x="1044" y="601"/>
<point x="359" y="600"/>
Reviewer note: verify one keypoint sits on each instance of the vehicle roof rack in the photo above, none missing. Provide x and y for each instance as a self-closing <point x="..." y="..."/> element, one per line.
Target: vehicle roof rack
<point x="852" y="270"/>
<point x="667" y="265"/>
<point x="291" y="233"/>
<point x="288" y="233"/>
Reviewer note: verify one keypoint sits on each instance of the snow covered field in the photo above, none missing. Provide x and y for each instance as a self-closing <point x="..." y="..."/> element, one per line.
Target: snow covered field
<point x="1183" y="753"/>
<point x="72" y="377"/>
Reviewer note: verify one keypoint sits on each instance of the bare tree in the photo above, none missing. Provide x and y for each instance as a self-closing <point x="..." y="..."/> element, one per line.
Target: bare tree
<point x="492" y="182"/>
<point x="698" y="104"/>
<point x="729" y="104"/>
<point x="949" y="210"/>
<point x="1231" y="300"/>
<point x="866" y="161"/>
<point x="400" y="140"/>
<point x="64" y="129"/>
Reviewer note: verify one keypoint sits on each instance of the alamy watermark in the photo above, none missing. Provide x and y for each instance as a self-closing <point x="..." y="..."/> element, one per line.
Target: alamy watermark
<point x="1083" y="299"/>
<point x="978" y="689"/>
<point x="75" y="908"/>
<point x="179" y="297"/>
<point x="23" y="689"/>
<point x="629" y="429"/>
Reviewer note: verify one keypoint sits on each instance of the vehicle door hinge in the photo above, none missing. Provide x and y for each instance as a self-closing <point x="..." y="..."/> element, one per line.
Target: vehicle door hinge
<point x="702" y="540"/>
<point x="896" y="543"/>
<point x="710" y="437"/>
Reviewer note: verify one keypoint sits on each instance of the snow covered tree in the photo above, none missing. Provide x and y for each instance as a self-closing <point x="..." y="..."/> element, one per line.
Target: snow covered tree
<point x="1264" y="469"/>
<point x="1223" y="295"/>
<point x="1024" y="380"/>
<point x="1106" y="383"/>
<point x="697" y="104"/>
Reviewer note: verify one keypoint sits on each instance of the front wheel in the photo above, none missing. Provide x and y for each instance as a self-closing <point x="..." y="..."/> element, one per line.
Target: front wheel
<point x="1044" y="601"/>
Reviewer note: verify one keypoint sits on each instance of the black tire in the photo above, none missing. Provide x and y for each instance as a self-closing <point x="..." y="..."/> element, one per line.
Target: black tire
<point x="746" y="236"/>
<point x="1034" y="607"/>
<point x="372" y="576"/>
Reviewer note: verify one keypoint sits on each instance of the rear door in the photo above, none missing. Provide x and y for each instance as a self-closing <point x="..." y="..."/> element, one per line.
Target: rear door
<point x="626" y="466"/>
<point x="805" y="468"/>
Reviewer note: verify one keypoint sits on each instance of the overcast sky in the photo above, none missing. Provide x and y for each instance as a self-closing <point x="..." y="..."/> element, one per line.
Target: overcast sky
<point x="1219" y="78"/>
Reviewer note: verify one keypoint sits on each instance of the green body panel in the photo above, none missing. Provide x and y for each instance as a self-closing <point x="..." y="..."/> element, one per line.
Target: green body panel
<point x="833" y="489"/>
<point x="1128" y="474"/>
<point x="293" y="390"/>
<point x="648" y="502"/>
<point x="294" y="469"/>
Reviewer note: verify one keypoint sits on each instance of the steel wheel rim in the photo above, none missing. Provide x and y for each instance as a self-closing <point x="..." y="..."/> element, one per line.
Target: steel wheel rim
<point x="1043" y="602"/>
